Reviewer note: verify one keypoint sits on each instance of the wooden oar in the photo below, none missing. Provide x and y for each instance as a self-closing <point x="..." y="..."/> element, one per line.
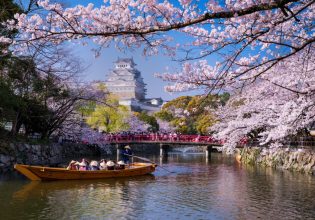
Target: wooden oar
<point x="146" y="159"/>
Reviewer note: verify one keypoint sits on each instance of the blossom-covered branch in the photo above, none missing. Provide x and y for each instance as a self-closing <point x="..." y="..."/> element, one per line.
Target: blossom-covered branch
<point x="247" y="37"/>
<point x="274" y="106"/>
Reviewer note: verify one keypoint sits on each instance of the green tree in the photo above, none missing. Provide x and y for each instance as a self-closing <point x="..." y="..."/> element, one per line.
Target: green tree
<point x="164" y="115"/>
<point x="150" y="120"/>
<point x="31" y="91"/>
<point x="8" y="99"/>
<point x="204" y="122"/>
<point x="180" y="102"/>
<point x="7" y="10"/>
<point x="109" y="118"/>
<point x="192" y="114"/>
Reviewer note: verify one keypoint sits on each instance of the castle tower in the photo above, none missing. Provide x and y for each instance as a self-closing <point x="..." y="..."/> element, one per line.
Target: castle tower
<point x="125" y="80"/>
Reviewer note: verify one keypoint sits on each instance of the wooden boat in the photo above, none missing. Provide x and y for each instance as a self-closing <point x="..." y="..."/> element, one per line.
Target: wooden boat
<point x="50" y="173"/>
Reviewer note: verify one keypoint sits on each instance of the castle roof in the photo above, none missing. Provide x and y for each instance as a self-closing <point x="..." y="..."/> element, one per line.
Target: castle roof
<point x="125" y="60"/>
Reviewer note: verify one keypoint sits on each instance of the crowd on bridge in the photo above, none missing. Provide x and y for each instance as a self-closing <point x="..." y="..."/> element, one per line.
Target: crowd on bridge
<point x="148" y="137"/>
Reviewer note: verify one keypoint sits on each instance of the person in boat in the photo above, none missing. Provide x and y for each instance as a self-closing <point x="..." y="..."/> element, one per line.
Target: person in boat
<point x="103" y="164"/>
<point x="77" y="164"/>
<point x="94" y="165"/>
<point x="120" y="165"/>
<point x="72" y="165"/>
<point x="110" y="165"/>
<point x="126" y="153"/>
<point x="86" y="162"/>
<point x="83" y="166"/>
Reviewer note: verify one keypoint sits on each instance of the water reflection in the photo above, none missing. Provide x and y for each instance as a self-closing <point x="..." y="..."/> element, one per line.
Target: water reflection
<point x="219" y="189"/>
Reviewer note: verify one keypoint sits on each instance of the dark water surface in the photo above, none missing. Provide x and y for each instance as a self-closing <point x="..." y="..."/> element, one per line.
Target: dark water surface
<point x="217" y="189"/>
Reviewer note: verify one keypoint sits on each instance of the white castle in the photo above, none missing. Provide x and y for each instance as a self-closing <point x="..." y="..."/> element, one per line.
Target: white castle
<point x="126" y="82"/>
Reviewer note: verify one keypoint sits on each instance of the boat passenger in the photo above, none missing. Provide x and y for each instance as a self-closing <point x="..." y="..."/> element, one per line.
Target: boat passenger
<point x="77" y="164"/>
<point x="110" y="165"/>
<point x="83" y="166"/>
<point x="126" y="153"/>
<point x="94" y="165"/>
<point x="86" y="162"/>
<point x="120" y="165"/>
<point x="72" y="165"/>
<point x="103" y="164"/>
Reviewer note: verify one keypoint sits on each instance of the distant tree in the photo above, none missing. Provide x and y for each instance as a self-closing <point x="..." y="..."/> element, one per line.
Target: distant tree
<point x="178" y="103"/>
<point x="150" y="120"/>
<point x="192" y="114"/>
<point x="110" y="117"/>
<point x="165" y="126"/>
<point x="135" y="124"/>
<point x="204" y="122"/>
<point x="164" y="115"/>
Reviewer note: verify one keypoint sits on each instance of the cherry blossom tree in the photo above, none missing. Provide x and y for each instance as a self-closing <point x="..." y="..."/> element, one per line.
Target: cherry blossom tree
<point x="253" y="42"/>
<point x="248" y="37"/>
<point x="135" y="124"/>
<point x="165" y="126"/>
<point x="275" y="106"/>
<point x="90" y="136"/>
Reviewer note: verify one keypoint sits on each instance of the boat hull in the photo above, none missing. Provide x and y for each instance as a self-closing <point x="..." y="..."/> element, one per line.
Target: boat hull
<point x="38" y="173"/>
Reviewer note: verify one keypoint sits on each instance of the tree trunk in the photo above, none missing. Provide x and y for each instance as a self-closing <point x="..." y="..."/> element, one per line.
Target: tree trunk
<point x="16" y="124"/>
<point x="44" y="135"/>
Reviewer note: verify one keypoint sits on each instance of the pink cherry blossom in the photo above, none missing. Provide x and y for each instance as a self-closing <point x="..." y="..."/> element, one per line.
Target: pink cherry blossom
<point x="260" y="51"/>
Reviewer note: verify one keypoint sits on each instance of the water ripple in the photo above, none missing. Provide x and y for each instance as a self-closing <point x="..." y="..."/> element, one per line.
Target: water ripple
<point x="219" y="189"/>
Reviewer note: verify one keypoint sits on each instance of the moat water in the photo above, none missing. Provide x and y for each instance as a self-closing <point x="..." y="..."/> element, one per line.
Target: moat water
<point x="199" y="189"/>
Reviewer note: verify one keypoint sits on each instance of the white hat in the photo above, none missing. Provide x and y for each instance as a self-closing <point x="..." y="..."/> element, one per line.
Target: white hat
<point x="110" y="163"/>
<point x="127" y="147"/>
<point x="103" y="164"/>
<point x="82" y="164"/>
<point x="121" y="162"/>
<point x="73" y="162"/>
<point x="94" y="163"/>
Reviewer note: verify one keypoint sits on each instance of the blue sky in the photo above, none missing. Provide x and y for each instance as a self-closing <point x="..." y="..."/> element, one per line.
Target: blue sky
<point x="100" y="66"/>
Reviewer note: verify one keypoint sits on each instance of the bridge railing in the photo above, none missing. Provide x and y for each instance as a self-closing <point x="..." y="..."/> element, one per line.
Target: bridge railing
<point x="157" y="138"/>
<point x="181" y="138"/>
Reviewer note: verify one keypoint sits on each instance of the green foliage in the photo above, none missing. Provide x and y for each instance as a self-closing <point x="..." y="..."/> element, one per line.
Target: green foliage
<point x="204" y="122"/>
<point x="180" y="102"/>
<point x="150" y="120"/>
<point x="192" y="114"/>
<point x="108" y="118"/>
<point x="26" y="92"/>
<point x="224" y="98"/>
<point x="87" y="109"/>
<point x="182" y="125"/>
<point x="7" y="10"/>
<point x="164" y="115"/>
<point x="36" y="117"/>
<point x="10" y="101"/>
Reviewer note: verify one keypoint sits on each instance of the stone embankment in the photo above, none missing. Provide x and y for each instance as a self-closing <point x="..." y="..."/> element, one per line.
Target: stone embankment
<point x="302" y="160"/>
<point x="43" y="154"/>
